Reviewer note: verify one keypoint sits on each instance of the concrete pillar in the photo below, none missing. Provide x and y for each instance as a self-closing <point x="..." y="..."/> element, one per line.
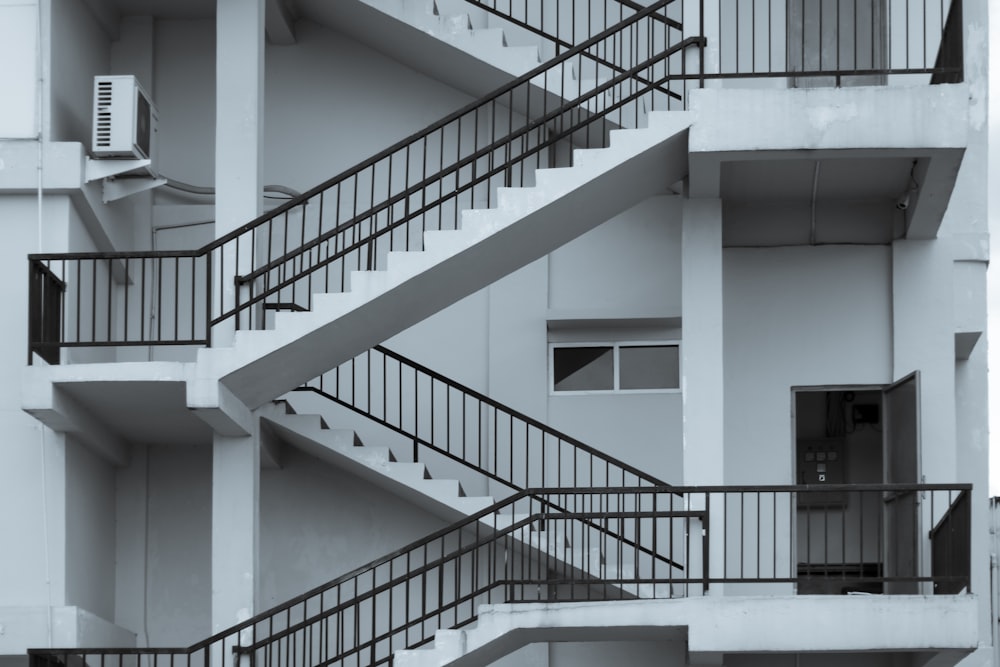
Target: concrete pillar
<point x="235" y="523"/>
<point x="702" y="365"/>
<point x="19" y="44"/>
<point x="924" y="340"/>
<point x="701" y="350"/>
<point x="239" y="126"/>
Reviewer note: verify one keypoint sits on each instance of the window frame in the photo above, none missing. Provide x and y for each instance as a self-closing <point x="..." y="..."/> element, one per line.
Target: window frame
<point x="615" y="346"/>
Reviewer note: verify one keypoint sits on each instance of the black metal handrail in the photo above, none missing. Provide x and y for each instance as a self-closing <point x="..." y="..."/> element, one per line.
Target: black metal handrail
<point x="839" y="536"/>
<point x="452" y="419"/>
<point x="492" y="439"/>
<point x="351" y="221"/>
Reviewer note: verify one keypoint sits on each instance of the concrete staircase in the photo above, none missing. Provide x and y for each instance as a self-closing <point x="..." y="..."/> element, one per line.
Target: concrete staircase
<point x="579" y="548"/>
<point x="376" y="464"/>
<point x="527" y="224"/>
<point x="432" y="34"/>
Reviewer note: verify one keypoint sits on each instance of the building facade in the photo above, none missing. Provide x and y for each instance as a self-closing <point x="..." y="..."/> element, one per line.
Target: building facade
<point x="458" y="332"/>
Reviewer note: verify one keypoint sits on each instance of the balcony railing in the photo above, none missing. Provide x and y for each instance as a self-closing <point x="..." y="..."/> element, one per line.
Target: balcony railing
<point x="542" y="544"/>
<point x="833" y="42"/>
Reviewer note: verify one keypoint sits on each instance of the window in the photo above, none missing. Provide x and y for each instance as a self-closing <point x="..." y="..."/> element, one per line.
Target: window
<point x="614" y="367"/>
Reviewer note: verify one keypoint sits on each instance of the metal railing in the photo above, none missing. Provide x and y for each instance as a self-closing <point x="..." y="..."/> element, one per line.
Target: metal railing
<point x="444" y="416"/>
<point x="834" y="42"/>
<point x="525" y="549"/>
<point x="351" y="222"/>
<point x="313" y="242"/>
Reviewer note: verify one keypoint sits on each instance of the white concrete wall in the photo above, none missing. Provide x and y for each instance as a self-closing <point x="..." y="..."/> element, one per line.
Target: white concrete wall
<point x="796" y="316"/>
<point x="318" y="522"/>
<point x="178" y="554"/>
<point x="78" y="50"/>
<point x="19" y="43"/>
<point x="330" y="102"/>
<point x="90" y="531"/>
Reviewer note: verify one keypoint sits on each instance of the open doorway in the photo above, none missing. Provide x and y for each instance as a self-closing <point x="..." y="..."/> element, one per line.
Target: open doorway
<point x="839" y="440"/>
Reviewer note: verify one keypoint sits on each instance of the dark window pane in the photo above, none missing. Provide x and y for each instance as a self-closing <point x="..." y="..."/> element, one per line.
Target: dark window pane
<point x="583" y="368"/>
<point x="649" y="367"/>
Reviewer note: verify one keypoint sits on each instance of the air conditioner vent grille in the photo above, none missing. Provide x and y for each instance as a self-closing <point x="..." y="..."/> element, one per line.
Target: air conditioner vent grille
<point x="124" y="119"/>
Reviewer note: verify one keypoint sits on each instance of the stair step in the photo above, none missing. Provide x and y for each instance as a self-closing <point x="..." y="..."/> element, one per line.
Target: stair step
<point x="401" y="265"/>
<point x="368" y="284"/>
<point x="521" y="201"/>
<point x="294" y="347"/>
<point x="407" y="470"/>
<point x="447" y="242"/>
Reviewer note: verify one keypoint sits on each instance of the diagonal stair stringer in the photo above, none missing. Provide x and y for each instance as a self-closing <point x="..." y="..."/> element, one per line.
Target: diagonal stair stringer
<point x="492" y="243"/>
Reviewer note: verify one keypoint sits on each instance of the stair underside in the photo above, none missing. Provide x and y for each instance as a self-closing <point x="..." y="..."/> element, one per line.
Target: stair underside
<point x="403" y="42"/>
<point x="645" y="171"/>
<point x="376" y="465"/>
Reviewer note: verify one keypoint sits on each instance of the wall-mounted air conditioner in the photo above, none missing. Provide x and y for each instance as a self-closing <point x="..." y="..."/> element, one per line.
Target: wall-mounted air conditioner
<point x="124" y="119"/>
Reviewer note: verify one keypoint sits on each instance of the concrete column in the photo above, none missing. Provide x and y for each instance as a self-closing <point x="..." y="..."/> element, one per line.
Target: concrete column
<point x="131" y="547"/>
<point x="19" y="44"/>
<point x="702" y="367"/>
<point x="701" y="349"/>
<point x="235" y="522"/>
<point x="924" y="340"/>
<point x="239" y="126"/>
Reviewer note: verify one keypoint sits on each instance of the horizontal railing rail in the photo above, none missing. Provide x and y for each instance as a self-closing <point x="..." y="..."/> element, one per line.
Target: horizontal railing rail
<point x="442" y="415"/>
<point x="350" y="222"/>
<point x="846" y="537"/>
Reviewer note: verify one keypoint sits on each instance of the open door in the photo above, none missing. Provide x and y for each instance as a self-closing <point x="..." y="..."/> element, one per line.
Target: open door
<point x="901" y="466"/>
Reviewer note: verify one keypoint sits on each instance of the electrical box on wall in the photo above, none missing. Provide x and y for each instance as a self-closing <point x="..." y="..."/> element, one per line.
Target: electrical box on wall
<point x="124" y="119"/>
<point x="819" y="462"/>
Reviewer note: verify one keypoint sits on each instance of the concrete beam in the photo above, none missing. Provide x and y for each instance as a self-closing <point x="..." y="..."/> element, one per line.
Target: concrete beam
<point x="216" y="405"/>
<point x="935" y="180"/>
<point x="52" y="406"/>
<point x="279" y="23"/>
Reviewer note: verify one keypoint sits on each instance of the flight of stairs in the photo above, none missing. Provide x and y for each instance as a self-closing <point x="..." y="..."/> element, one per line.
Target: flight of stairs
<point x="575" y="547"/>
<point x="497" y="54"/>
<point x="526" y="224"/>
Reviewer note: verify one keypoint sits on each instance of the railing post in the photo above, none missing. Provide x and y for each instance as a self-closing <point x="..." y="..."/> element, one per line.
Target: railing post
<point x="701" y="19"/>
<point x="706" y="546"/>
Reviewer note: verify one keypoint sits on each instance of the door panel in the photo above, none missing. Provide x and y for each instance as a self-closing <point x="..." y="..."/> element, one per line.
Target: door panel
<point x="901" y="510"/>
